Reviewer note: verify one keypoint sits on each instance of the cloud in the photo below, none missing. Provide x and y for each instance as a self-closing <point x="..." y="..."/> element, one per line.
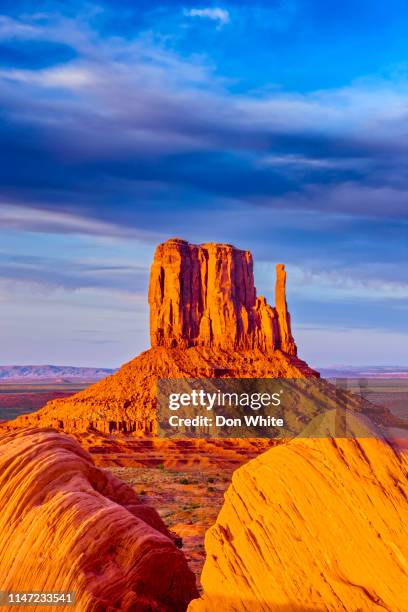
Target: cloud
<point x="66" y="77"/>
<point x="214" y="14"/>
<point x="348" y="198"/>
<point x="128" y="129"/>
<point x="13" y="28"/>
<point x="126" y="137"/>
<point x="362" y="282"/>
<point x="52" y="273"/>
<point x="35" y="219"/>
<point x="303" y="162"/>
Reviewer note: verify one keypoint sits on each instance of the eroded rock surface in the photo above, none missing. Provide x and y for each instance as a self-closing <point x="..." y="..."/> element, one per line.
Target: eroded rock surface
<point x="205" y="296"/>
<point x="312" y="525"/>
<point x="66" y="525"/>
<point x="126" y="401"/>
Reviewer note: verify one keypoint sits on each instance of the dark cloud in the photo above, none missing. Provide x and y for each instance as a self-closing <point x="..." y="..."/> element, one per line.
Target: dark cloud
<point x="128" y="124"/>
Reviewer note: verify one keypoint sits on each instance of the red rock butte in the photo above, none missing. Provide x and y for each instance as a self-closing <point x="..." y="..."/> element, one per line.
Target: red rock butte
<point x="205" y="296"/>
<point x="206" y="320"/>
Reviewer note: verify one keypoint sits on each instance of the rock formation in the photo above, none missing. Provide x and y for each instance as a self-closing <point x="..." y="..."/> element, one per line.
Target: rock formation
<point x="287" y="344"/>
<point x="206" y="321"/>
<point x="312" y="525"/>
<point x="66" y="525"/>
<point x="205" y="296"/>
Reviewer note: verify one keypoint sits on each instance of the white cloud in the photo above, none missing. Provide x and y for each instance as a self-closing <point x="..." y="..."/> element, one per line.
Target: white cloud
<point x="300" y="162"/>
<point x="348" y="283"/>
<point x="12" y="28"/>
<point x="24" y="218"/>
<point x="68" y="77"/>
<point x="215" y="14"/>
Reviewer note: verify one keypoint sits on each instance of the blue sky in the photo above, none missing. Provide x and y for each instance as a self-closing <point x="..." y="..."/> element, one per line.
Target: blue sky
<point x="277" y="126"/>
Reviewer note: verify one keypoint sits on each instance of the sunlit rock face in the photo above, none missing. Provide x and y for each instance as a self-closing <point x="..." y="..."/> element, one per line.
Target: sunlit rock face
<point x="205" y="296"/>
<point x="312" y="525"/>
<point x="66" y="525"/>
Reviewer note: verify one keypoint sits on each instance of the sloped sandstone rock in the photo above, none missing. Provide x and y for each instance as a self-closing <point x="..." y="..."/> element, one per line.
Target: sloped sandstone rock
<point x="126" y="401"/>
<point x="66" y="525"/>
<point x="312" y="525"/>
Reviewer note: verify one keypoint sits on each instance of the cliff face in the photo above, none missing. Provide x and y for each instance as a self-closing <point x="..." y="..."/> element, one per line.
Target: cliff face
<point x="312" y="525"/>
<point x="66" y="525"/>
<point x="205" y="321"/>
<point x="205" y="296"/>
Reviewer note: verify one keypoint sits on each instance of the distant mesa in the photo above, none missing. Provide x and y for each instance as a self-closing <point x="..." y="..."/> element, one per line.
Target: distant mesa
<point x="350" y="371"/>
<point x="66" y="525"/>
<point x="50" y="373"/>
<point x="206" y="320"/>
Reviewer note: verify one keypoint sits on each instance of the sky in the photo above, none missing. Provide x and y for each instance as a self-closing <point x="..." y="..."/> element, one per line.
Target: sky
<point x="280" y="127"/>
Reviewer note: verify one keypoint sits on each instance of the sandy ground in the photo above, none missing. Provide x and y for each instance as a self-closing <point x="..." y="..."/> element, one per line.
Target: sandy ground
<point x="187" y="501"/>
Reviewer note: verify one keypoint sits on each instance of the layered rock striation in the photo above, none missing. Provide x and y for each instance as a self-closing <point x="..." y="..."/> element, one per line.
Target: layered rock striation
<point x="205" y="321"/>
<point x="312" y="525"/>
<point x="66" y="525"/>
<point x="205" y="296"/>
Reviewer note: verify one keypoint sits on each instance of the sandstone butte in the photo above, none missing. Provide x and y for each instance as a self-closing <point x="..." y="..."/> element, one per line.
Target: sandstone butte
<point x="66" y="525"/>
<point x="312" y="525"/>
<point x="206" y="320"/>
